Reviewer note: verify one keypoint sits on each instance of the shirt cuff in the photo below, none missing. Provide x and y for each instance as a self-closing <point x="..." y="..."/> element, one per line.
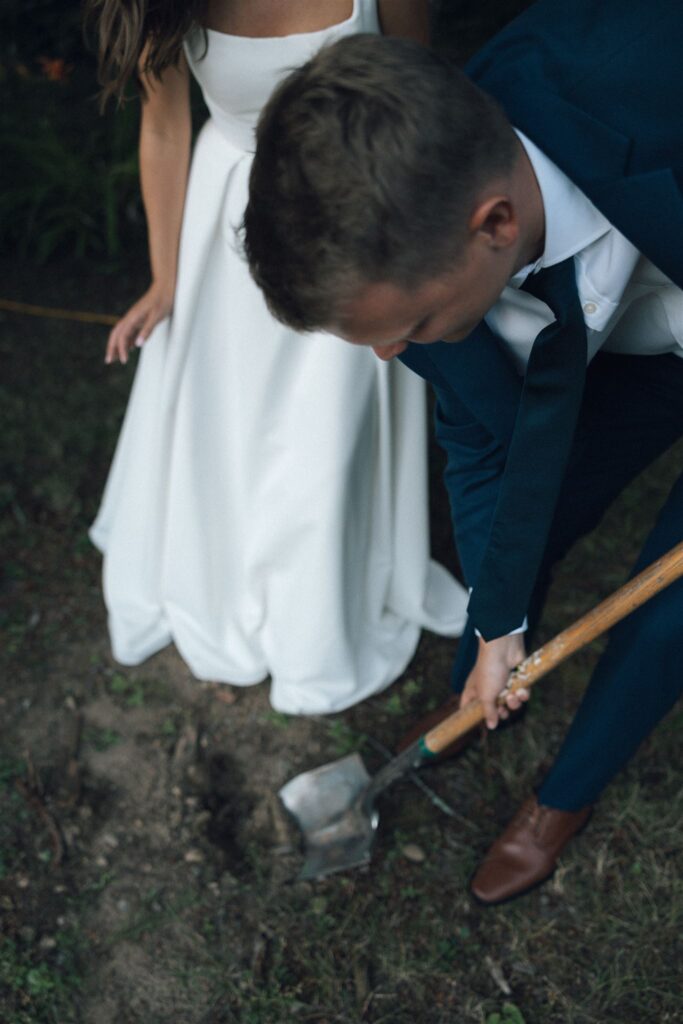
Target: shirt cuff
<point x="513" y="632"/>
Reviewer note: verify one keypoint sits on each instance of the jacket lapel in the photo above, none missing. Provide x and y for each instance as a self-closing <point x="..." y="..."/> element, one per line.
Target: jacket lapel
<point x="483" y="376"/>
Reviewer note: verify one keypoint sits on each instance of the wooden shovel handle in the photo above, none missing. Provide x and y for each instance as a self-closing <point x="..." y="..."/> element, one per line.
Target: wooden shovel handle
<point x="625" y="600"/>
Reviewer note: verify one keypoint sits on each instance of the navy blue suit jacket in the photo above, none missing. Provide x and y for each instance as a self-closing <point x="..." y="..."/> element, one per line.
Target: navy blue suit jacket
<point x="597" y="85"/>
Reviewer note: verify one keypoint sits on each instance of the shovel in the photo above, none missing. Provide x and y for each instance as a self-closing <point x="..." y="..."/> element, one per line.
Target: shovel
<point x="334" y="806"/>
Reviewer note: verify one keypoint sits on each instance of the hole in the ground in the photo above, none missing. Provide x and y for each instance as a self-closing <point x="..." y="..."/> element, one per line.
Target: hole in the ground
<point x="230" y="808"/>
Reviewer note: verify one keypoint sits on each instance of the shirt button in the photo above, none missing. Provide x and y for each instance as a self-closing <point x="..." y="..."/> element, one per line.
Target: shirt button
<point x="590" y="308"/>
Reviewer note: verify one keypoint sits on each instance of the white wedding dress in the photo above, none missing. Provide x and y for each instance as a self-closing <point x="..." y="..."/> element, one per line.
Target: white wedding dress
<point x="266" y="509"/>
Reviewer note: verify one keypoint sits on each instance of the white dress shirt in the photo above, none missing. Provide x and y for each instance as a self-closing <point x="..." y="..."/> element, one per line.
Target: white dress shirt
<point x="629" y="306"/>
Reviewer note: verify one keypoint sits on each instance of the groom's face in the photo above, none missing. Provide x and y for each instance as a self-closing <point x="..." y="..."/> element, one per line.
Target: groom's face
<point x="446" y="307"/>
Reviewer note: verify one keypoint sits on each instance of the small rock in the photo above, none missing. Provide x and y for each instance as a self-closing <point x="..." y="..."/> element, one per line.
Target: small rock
<point x="226" y="696"/>
<point x="176" y="791"/>
<point x="414" y="853"/>
<point x="101" y="862"/>
<point x="110" y="840"/>
<point x="23" y="882"/>
<point x="47" y="942"/>
<point x="123" y="906"/>
<point x="194" y="856"/>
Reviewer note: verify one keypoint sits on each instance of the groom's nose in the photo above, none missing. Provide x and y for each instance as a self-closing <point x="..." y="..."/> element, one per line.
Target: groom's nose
<point x="388" y="352"/>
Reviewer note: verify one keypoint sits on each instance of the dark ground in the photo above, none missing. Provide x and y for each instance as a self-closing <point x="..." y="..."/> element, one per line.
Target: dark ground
<point x="145" y="867"/>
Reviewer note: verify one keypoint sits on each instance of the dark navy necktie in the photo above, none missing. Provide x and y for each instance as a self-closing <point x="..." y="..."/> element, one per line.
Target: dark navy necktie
<point x="537" y="458"/>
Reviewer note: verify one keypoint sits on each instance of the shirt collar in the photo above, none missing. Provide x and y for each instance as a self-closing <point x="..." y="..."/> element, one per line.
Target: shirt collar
<point x="571" y="220"/>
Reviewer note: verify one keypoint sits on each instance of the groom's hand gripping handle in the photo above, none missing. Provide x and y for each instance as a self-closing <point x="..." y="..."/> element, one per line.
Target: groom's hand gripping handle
<point x="635" y="592"/>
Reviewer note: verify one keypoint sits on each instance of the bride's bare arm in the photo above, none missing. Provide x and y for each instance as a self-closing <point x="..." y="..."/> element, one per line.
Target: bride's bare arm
<point x="408" y="19"/>
<point x="165" y="136"/>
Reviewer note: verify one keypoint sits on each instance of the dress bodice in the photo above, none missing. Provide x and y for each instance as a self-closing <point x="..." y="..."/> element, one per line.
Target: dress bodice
<point x="238" y="73"/>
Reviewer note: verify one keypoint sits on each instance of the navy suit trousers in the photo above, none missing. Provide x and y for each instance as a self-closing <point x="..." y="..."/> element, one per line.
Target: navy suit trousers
<point x="631" y="413"/>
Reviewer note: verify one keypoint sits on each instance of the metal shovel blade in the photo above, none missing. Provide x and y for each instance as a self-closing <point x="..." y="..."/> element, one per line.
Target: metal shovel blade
<point x="328" y="805"/>
<point x="334" y="806"/>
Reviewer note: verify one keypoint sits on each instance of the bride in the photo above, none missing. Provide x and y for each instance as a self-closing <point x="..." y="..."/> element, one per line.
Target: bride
<point x="247" y="518"/>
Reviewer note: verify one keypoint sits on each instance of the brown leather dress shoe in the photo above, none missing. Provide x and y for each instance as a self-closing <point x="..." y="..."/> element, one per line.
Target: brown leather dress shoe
<point x="527" y="851"/>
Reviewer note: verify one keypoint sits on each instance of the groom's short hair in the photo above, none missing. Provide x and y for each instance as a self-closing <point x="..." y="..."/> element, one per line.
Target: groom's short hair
<point x="368" y="163"/>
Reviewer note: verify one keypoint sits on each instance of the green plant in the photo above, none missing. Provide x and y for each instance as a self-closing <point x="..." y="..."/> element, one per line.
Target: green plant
<point x="10" y="769"/>
<point x="65" y="189"/>
<point x="102" y="739"/>
<point x="135" y="691"/>
<point x="345" y="738"/>
<point x="39" y="989"/>
<point x="510" y="1014"/>
<point x="394" y="704"/>
<point x="68" y="184"/>
<point x="278" y="719"/>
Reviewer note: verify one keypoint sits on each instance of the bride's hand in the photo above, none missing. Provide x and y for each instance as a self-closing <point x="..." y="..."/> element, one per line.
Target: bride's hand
<point x="137" y="324"/>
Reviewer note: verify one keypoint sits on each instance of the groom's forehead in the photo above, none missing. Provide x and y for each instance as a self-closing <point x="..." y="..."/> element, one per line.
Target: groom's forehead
<point x="382" y="312"/>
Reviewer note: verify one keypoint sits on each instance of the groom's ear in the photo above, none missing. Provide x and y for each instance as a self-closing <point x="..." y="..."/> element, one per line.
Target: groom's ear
<point x="494" y="221"/>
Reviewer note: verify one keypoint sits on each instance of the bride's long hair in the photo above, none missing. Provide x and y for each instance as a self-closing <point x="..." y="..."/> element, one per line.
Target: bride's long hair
<point x="126" y="28"/>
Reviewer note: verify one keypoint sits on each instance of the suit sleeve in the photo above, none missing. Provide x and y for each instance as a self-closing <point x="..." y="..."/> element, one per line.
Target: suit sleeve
<point x="474" y="466"/>
<point x="477" y="398"/>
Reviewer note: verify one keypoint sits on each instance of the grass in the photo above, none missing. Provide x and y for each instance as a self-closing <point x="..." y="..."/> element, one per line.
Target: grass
<point x="38" y="979"/>
<point x="135" y="691"/>
<point x="40" y="989"/>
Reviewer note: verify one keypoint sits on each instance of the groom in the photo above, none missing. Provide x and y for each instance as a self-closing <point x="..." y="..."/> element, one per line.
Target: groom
<point x="514" y="235"/>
